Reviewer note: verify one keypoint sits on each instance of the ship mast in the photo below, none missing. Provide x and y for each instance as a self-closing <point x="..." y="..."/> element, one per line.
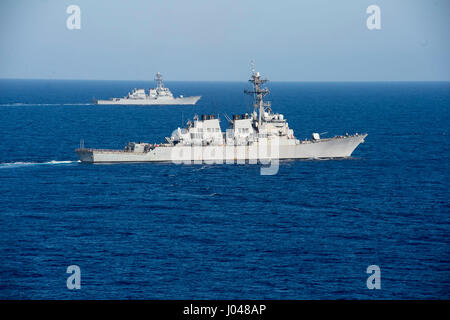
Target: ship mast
<point x="159" y="80"/>
<point x="258" y="93"/>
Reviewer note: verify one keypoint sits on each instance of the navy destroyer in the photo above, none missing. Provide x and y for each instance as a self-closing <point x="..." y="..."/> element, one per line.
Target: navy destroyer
<point x="157" y="96"/>
<point x="252" y="137"/>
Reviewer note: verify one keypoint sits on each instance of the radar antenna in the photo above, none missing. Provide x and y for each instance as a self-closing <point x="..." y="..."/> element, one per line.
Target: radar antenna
<point x="159" y="80"/>
<point x="258" y="93"/>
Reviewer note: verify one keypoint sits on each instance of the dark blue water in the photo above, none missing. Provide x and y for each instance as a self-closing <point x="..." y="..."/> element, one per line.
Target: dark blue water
<point x="166" y="231"/>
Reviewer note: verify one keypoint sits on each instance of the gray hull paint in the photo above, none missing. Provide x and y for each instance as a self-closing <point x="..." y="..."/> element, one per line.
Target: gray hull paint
<point x="338" y="147"/>
<point x="152" y="102"/>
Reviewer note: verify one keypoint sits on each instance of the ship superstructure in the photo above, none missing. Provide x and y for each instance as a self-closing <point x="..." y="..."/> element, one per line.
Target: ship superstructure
<point x="261" y="134"/>
<point x="156" y="96"/>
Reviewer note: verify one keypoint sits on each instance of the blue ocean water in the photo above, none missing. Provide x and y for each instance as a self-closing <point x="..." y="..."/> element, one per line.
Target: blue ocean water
<point x="167" y="231"/>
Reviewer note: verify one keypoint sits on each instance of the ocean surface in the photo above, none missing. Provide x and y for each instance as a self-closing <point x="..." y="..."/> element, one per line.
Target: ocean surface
<point x="167" y="231"/>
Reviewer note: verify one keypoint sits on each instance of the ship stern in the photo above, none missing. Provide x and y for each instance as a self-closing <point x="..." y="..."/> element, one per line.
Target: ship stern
<point x="85" y="155"/>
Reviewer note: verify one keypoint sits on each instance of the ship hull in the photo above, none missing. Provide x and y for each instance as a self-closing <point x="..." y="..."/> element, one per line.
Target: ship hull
<point x="152" y="102"/>
<point x="338" y="147"/>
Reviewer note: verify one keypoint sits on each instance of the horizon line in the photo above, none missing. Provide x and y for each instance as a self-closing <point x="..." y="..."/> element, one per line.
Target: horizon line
<point x="304" y="81"/>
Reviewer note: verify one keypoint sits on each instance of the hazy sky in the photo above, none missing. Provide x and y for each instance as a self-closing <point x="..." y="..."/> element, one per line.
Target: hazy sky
<point x="304" y="40"/>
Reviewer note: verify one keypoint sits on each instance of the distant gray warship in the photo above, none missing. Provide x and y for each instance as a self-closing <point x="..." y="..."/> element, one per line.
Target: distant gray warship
<point x="250" y="137"/>
<point x="157" y="96"/>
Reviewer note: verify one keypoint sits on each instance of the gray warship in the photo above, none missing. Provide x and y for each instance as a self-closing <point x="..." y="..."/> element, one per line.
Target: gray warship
<point x="250" y="138"/>
<point x="156" y="97"/>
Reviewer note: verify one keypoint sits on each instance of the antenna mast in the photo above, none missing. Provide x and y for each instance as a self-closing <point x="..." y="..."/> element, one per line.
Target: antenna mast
<point x="159" y="80"/>
<point x="258" y="93"/>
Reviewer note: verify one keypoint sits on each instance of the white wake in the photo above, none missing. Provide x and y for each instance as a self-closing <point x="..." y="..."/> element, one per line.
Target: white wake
<point x="22" y="104"/>
<point x="24" y="164"/>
